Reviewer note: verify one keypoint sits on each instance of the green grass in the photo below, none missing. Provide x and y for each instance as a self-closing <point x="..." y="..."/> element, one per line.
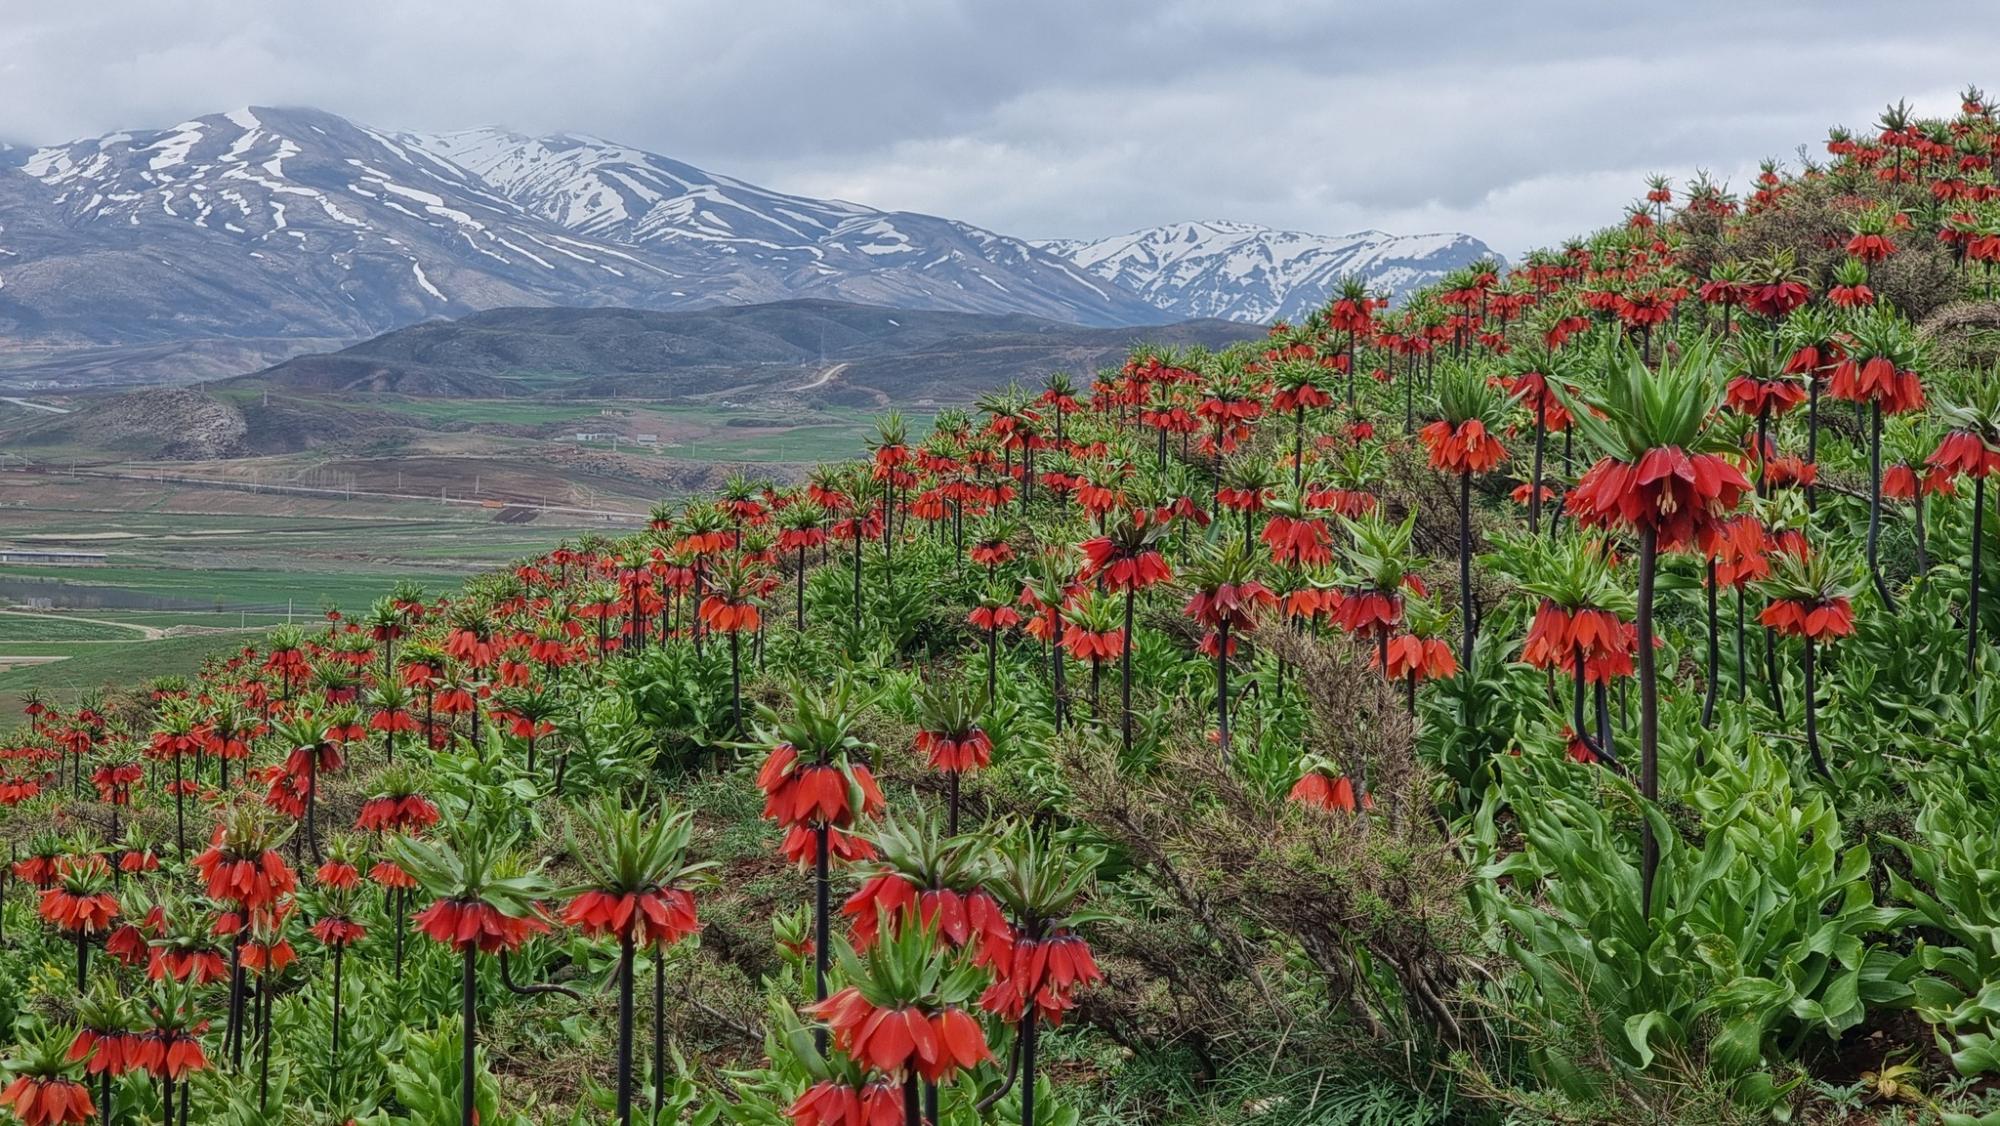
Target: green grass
<point x="825" y="434"/>
<point x="167" y="619"/>
<point x="220" y="588"/>
<point x="55" y="627"/>
<point x="95" y="666"/>
<point x="513" y="412"/>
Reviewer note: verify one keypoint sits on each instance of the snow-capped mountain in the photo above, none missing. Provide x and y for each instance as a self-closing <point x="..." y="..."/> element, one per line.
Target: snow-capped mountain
<point x="262" y="223"/>
<point x="261" y="232"/>
<point x="810" y="247"/>
<point x="1241" y="271"/>
<point x="295" y="223"/>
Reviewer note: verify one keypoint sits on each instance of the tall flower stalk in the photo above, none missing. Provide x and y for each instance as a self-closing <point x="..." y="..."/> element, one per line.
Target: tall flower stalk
<point x="635" y="890"/>
<point x="1661" y="474"/>
<point x="1464" y="441"/>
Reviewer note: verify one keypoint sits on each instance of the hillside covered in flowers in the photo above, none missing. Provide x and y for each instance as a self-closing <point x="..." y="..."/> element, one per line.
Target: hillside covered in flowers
<point x="1564" y="697"/>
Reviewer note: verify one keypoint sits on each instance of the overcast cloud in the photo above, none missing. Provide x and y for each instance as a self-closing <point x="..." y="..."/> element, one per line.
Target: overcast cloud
<point x="1518" y="123"/>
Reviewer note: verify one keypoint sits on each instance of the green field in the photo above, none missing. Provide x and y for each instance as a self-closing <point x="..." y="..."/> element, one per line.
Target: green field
<point x="690" y="431"/>
<point x="56" y="627"/>
<point x="167" y="619"/>
<point x="216" y="590"/>
<point x="89" y="665"/>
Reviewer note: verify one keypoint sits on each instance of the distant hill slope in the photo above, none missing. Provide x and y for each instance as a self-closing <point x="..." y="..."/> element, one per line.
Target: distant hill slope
<point x="405" y="391"/>
<point x="894" y="356"/>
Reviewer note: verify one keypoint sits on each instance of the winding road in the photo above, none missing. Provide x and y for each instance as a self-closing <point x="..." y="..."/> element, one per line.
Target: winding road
<point x="825" y="377"/>
<point x="145" y="632"/>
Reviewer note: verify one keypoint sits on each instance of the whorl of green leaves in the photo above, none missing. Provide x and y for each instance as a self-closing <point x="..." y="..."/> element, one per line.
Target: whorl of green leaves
<point x="1377" y="553"/>
<point x="1651" y="408"/>
<point x="626" y="851"/>
<point x="1464" y="394"/>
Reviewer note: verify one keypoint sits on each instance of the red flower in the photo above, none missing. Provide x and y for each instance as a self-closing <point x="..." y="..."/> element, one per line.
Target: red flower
<point x="658" y="917"/>
<point x="994" y="617"/>
<point x="1307" y="603"/>
<point x="1524" y="491"/>
<point x="48" y="1100"/>
<point x="1231" y="604"/>
<point x="1320" y="790"/>
<point x="1298" y="543"/>
<point x="991" y="554"/>
<point x="337" y="931"/>
<point x="14" y="791"/>
<point x="797" y="793"/>
<point x="1425" y="658"/>
<point x="972" y="750"/>
<point x="250" y="882"/>
<point x="109" y="1051"/>
<point x="1669" y="490"/>
<point x="78" y="914"/>
<point x="196" y="966"/>
<point x="724" y="616"/>
<point x="1468" y="448"/>
<point x="1557" y="635"/>
<point x="1877" y="381"/>
<point x="1960" y="453"/>
<point x="1090" y="645"/>
<point x="1119" y="571"/>
<point x="466" y="923"/>
<point x="1364" y="610"/>
<point x="1578" y="749"/>
<point x="1346" y="502"/>
<point x="1870" y="247"/>
<point x="834" y="1103"/>
<point x="408" y="813"/>
<point x="1305" y="395"/>
<point x="896" y="1041"/>
<point x="386" y="874"/>
<point x="965" y="919"/>
<point x="1752" y="397"/>
<point x="1815" y="621"/>
<point x="338" y="874"/>
<point x="801" y="846"/>
<point x="170" y="1054"/>
<point x="1775" y="300"/>
<point x="1045" y="972"/>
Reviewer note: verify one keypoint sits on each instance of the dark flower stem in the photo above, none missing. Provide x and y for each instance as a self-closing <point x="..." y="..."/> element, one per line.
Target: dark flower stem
<point x="1714" y="651"/>
<point x="822" y="923"/>
<point x="1875" y="504"/>
<point x="1028" y="1066"/>
<point x="659" y="1029"/>
<point x="1535" y="478"/>
<point x="625" y="959"/>
<point x="469" y="1025"/>
<point x="1972" y="600"/>
<point x="1125" y="670"/>
<point x="1812" y="713"/>
<point x="1649" y="715"/>
<point x="1465" y="610"/>
<point x="1222" y="687"/>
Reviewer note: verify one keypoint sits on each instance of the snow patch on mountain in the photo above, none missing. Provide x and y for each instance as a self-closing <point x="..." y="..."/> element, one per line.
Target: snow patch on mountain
<point x="1245" y="272"/>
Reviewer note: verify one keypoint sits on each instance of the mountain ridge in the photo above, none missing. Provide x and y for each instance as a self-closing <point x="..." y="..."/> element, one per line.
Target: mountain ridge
<point x="234" y="233"/>
<point x="1247" y="271"/>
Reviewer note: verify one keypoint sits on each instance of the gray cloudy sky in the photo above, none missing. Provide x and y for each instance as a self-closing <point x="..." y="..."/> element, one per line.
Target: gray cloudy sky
<point x="1516" y="122"/>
